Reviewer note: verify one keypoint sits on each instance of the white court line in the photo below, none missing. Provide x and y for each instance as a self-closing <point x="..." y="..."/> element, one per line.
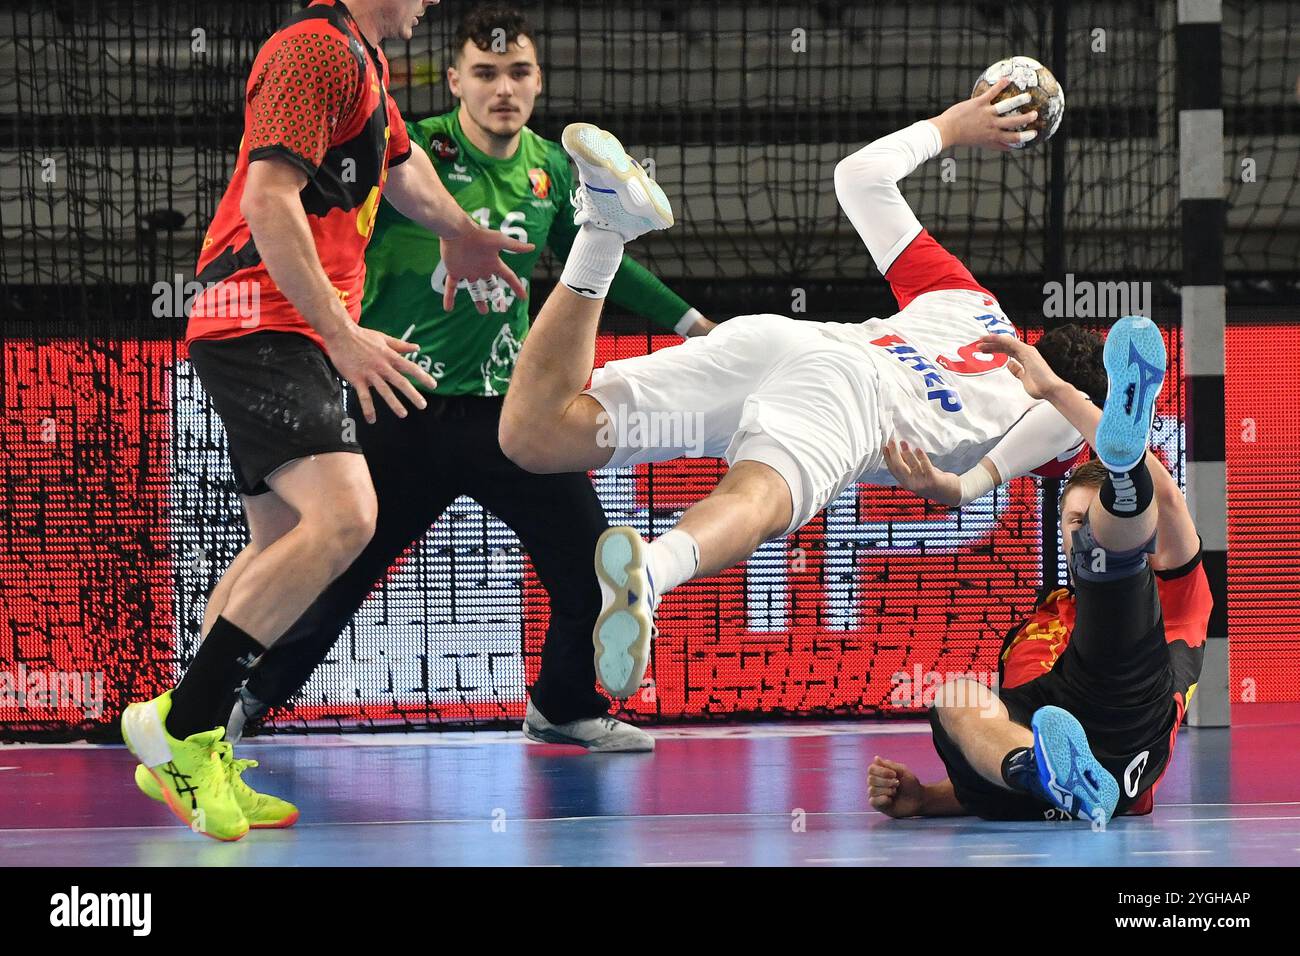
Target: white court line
<point x="148" y="826"/>
<point x="781" y="814"/>
<point x="689" y="863"/>
<point x="846" y="859"/>
<point x="1261" y="803"/>
<point x="1223" y="819"/>
<point x="474" y="738"/>
<point x="1166" y="852"/>
<point x="1008" y="856"/>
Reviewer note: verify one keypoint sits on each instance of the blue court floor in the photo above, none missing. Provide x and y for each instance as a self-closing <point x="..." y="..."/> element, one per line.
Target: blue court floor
<point x="740" y="795"/>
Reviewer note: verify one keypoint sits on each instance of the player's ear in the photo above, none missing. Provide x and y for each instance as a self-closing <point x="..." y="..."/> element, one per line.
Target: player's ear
<point x="453" y="81"/>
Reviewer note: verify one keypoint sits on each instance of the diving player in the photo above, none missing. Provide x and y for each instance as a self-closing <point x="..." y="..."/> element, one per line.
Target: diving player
<point x="799" y="410"/>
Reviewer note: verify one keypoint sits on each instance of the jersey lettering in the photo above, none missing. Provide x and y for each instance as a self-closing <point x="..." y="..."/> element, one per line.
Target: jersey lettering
<point x="936" y="388"/>
<point x="970" y="360"/>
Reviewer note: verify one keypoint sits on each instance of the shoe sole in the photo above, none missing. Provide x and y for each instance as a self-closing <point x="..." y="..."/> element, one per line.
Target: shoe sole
<point x="143" y="733"/>
<point x="601" y="149"/>
<point x="622" y="632"/>
<point x="553" y="737"/>
<point x="1135" y="362"/>
<point x="148" y="785"/>
<point x="1071" y="775"/>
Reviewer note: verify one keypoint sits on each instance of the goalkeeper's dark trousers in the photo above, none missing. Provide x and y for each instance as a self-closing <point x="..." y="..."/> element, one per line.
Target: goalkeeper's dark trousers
<point x="420" y="465"/>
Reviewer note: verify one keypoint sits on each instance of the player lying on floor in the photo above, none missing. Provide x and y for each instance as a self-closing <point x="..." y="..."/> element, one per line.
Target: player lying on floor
<point x="800" y="410"/>
<point x="1096" y="682"/>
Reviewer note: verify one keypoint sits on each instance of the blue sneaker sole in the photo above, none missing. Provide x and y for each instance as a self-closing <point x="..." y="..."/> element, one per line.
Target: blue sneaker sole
<point x="626" y="623"/>
<point x="1135" y="365"/>
<point x="1071" y="777"/>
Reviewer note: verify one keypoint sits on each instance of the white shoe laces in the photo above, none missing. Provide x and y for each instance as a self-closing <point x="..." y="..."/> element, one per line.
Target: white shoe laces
<point x="585" y="210"/>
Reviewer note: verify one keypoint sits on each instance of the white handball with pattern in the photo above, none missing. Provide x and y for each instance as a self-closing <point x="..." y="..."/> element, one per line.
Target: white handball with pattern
<point x="1026" y="77"/>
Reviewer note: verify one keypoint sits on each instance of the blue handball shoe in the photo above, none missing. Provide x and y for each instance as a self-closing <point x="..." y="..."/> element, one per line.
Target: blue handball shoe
<point x="1069" y="776"/>
<point x="1135" y="364"/>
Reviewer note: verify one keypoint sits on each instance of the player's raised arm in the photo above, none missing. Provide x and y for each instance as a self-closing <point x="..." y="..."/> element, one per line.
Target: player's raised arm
<point x="866" y="184"/>
<point x="1177" y="540"/>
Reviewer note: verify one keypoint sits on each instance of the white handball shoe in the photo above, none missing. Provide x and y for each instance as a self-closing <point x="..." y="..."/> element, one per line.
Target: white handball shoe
<point x="598" y="734"/>
<point x="614" y="192"/>
<point x="626" y="625"/>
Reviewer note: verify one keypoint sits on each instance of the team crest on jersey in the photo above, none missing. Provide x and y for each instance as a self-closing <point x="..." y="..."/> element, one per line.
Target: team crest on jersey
<point x="540" y="182"/>
<point x="444" y="147"/>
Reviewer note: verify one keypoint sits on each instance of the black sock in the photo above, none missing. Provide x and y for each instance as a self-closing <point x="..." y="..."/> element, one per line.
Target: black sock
<point x="1128" y="493"/>
<point x="1019" y="767"/>
<point x="203" y="698"/>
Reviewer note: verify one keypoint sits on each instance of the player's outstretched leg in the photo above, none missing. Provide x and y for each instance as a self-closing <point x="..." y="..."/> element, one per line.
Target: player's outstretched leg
<point x="547" y="424"/>
<point x="1111" y="545"/>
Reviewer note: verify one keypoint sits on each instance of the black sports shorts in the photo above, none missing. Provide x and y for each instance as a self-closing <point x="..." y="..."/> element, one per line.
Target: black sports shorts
<point x="1115" y="676"/>
<point x="279" y="398"/>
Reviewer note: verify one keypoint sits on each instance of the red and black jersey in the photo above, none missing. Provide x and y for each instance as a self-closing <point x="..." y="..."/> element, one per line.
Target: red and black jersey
<point x="317" y="96"/>
<point x="1032" y="648"/>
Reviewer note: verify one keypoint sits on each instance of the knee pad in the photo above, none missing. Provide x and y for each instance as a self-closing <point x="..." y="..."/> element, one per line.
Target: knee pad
<point x="1089" y="561"/>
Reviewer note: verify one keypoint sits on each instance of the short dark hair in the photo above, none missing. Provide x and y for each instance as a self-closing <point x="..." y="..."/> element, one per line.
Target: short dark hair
<point x="1075" y="354"/>
<point x="1091" y="474"/>
<point x="480" y="25"/>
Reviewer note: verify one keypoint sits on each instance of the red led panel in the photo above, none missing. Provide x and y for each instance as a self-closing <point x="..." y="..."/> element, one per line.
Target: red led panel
<point x="1263" y="448"/>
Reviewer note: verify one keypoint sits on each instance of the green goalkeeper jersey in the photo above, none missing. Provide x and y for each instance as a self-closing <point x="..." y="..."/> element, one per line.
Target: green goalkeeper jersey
<point x="527" y="197"/>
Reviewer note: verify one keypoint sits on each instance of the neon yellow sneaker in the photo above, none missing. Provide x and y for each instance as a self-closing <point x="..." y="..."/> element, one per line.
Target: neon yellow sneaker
<point x="263" y="811"/>
<point x="189" y="773"/>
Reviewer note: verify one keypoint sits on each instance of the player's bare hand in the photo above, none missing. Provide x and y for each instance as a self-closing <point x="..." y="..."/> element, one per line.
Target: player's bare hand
<point x="370" y="360"/>
<point x="913" y="470"/>
<point x="979" y="121"/>
<point x="893" y="789"/>
<point x="1026" y="364"/>
<point x="476" y="259"/>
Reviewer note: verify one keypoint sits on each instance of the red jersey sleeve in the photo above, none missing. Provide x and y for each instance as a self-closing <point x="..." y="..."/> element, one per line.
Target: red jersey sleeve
<point x="399" y="140"/>
<point x="1060" y="467"/>
<point x="1186" y="602"/>
<point x="306" y="87"/>
<point x="926" y="266"/>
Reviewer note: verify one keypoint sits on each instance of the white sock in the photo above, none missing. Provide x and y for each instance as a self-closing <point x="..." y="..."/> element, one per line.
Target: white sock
<point x="593" y="260"/>
<point x="674" y="557"/>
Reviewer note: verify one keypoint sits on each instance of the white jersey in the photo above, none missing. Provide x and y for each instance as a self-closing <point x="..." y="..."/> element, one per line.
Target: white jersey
<point x="816" y="401"/>
<point x="937" y="392"/>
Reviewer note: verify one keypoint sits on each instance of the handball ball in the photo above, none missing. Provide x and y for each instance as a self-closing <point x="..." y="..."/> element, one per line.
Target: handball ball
<point x="1028" y="76"/>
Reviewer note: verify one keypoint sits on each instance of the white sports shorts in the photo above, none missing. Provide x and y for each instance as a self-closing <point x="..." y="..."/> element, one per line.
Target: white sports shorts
<point x="757" y="388"/>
